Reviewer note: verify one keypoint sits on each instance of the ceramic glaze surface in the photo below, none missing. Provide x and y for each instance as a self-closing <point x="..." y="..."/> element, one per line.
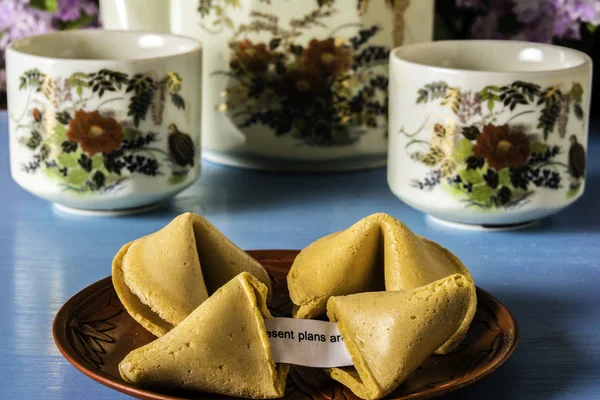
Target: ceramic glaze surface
<point x="297" y="81"/>
<point x="488" y="147"/>
<point x="97" y="131"/>
<point x="547" y="275"/>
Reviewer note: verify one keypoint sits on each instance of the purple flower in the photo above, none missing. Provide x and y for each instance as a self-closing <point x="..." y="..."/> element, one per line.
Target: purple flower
<point x="529" y="11"/>
<point x="541" y="20"/>
<point x="18" y="19"/>
<point x="570" y="13"/>
<point x="486" y="25"/>
<point x="90" y="8"/>
<point x="476" y="4"/>
<point x="70" y="10"/>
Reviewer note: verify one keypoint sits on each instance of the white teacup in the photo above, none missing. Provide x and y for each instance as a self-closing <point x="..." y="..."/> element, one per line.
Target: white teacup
<point x="488" y="132"/>
<point x="104" y="120"/>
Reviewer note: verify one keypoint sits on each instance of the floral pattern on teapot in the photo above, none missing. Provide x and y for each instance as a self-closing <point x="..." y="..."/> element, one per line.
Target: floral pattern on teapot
<point x="325" y="92"/>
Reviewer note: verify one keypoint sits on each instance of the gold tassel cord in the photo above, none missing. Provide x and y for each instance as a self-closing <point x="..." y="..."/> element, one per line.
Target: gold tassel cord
<point x="362" y="6"/>
<point x="399" y="7"/>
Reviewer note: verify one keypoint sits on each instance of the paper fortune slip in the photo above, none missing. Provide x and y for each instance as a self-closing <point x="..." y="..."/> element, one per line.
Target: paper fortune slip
<point x="307" y="342"/>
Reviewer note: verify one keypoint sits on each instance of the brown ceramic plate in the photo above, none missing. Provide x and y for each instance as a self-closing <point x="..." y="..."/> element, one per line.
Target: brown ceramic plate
<point x="94" y="332"/>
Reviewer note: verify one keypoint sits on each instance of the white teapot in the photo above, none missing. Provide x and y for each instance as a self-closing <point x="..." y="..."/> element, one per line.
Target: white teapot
<point x="289" y="84"/>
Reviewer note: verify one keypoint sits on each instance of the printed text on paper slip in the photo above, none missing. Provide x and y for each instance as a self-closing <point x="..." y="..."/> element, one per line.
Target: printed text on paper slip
<point x="307" y="342"/>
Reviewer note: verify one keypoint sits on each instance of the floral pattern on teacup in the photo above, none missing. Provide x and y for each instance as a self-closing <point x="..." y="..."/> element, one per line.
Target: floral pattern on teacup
<point x="76" y="139"/>
<point x="486" y="157"/>
<point x="328" y="92"/>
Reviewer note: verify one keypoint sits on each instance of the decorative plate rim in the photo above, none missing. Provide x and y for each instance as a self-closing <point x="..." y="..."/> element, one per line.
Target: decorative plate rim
<point x="271" y="258"/>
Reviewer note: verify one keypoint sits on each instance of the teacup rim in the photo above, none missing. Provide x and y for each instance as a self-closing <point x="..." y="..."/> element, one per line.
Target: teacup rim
<point x="12" y="47"/>
<point x="394" y="57"/>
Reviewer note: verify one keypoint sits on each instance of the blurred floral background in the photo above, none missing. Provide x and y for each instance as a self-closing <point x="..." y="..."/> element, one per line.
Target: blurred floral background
<point x="533" y="20"/>
<point x="20" y="18"/>
<point x="572" y="23"/>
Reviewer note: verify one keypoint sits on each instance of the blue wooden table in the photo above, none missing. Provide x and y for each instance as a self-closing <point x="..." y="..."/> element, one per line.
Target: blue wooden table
<point x="548" y="275"/>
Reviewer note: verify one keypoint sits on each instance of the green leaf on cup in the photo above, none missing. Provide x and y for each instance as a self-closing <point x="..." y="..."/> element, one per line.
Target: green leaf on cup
<point x="68" y="160"/>
<point x="471" y="176"/>
<point x="97" y="161"/>
<point x="464" y="150"/>
<point x="177" y="179"/>
<point x="490" y="95"/>
<point x="504" y="177"/>
<point x="538" y="147"/>
<point x="131" y="134"/>
<point x="76" y="177"/>
<point x="577" y="92"/>
<point x="228" y="22"/>
<point x="60" y="133"/>
<point x="481" y="193"/>
<point x="178" y="101"/>
<point x="78" y="81"/>
<point x="233" y="3"/>
<point x="53" y="173"/>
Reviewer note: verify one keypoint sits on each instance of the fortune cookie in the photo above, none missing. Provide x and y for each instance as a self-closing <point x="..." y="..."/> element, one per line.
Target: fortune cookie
<point x="221" y="347"/>
<point x="376" y="253"/>
<point x="389" y="334"/>
<point x="163" y="277"/>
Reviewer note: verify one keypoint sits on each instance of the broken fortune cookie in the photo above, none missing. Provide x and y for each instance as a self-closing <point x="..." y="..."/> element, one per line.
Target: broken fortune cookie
<point x="376" y="253"/>
<point x="161" y="278"/>
<point x="221" y="347"/>
<point x="389" y="334"/>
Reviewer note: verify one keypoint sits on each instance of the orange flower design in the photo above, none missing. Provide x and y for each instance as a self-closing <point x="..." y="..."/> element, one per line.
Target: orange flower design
<point x="323" y="57"/>
<point x="501" y="147"/>
<point x="95" y="133"/>
<point x="37" y="115"/>
<point x="254" y="57"/>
